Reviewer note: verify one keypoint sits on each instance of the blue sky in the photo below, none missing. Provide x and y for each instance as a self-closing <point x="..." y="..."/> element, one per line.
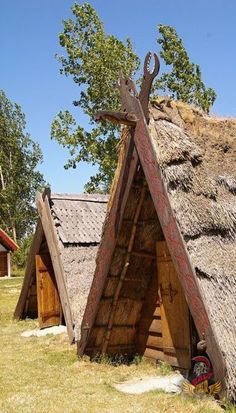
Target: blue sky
<point x="29" y="73"/>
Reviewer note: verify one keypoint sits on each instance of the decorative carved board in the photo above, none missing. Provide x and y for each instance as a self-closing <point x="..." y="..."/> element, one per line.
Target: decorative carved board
<point x="176" y="245"/>
<point x="174" y="313"/>
<point x="49" y="308"/>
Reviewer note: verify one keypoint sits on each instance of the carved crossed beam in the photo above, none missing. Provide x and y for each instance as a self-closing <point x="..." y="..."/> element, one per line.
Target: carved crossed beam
<point x="130" y="98"/>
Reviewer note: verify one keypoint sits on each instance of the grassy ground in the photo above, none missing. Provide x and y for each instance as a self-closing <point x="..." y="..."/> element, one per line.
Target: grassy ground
<point x="44" y="375"/>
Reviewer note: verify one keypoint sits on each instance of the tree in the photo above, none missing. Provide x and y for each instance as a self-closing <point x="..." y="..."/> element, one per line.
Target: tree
<point x="19" y="178"/>
<point x="94" y="61"/>
<point x="184" y="81"/>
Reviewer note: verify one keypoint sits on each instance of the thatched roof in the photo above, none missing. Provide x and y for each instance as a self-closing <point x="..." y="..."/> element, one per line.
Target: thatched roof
<point x="197" y="155"/>
<point x="76" y="221"/>
<point x="194" y="156"/>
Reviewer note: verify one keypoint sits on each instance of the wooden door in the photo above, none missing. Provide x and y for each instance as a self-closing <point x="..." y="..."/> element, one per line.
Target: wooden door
<point x="3" y="263"/>
<point x="174" y="312"/>
<point x="49" y="308"/>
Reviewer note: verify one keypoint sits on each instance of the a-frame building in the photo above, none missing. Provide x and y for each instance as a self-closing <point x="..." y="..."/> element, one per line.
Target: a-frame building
<point x="165" y="275"/>
<point x="61" y="260"/>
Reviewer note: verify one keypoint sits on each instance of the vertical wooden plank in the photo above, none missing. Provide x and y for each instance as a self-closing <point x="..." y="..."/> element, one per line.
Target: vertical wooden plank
<point x="53" y="246"/>
<point x="49" y="308"/>
<point x="21" y="307"/>
<point x="9" y="264"/>
<point x="108" y="241"/>
<point x="174" y="310"/>
<point x="3" y="263"/>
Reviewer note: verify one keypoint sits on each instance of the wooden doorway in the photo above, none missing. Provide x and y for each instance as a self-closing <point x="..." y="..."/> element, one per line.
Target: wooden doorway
<point x="3" y="264"/>
<point x="174" y="312"/>
<point x="49" y="308"/>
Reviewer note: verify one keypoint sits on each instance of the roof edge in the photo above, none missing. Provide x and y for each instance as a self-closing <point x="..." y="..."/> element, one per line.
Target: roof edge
<point x="81" y="197"/>
<point x="8" y="241"/>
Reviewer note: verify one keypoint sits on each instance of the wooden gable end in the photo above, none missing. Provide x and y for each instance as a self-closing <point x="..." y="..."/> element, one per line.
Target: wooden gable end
<point x="101" y="327"/>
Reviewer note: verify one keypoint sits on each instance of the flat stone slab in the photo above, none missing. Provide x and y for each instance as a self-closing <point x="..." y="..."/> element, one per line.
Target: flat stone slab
<point x="44" y="332"/>
<point x="169" y="384"/>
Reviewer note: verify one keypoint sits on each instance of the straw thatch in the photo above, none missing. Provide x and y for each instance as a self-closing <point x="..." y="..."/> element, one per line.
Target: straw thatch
<point x="196" y="154"/>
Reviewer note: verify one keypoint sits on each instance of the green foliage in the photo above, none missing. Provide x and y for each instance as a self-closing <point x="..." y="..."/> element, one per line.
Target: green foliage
<point x="19" y="178"/>
<point x="20" y="256"/>
<point x="184" y="81"/>
<point x="94" y="60"/>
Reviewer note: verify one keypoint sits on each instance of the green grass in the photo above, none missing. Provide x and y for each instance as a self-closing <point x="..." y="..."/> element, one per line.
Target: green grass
<point x="17" y="272"/>
<point x="43" y="374"/>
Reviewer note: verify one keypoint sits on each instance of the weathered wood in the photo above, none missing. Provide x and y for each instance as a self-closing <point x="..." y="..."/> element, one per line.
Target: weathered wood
<point x="49" y="308"/>
<point x="51" y="237"/>
<point x="29" y="272"/>
<point x="108" y="242"/>
<point x="176" y="245"/>
<point x="9" y="264"/>
<point x="158" y="354"/>
<point x="140" y="253"/>
<point x="31" y="293"/>
<point x="123" y="273"/>
<point x="154" y="328"/>
<point x="154" y="354"/>
<point x="119" y="335"/>
<point x="152" y="340"/>
<point x="175" y="324"/>
<point x="125" y="314"/>
<point x="132" y="326"/>
<point x="150" y="310"/>
<point x="95" y="349"/>
<point x="122" y="118"/>
<point x="3" y="263"/>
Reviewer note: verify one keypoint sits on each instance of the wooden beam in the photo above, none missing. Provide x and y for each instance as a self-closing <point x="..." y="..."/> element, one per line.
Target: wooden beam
<point x="123" y="272"/>
<point x="53" y="246"/>
<point x="111" y="298"/>
<point x="112" y="346"/>
<point x="138" y="253"/>
<point x="128" y="326"/>
<point x="142" y="254"/>
<point x="29" y="295"/>
<point x="116" y="206"/>
<point x="122" y="118"/>
<point x="29" y="272"/>
<point x="9" y="264"/>
<point x="141" y="222"/>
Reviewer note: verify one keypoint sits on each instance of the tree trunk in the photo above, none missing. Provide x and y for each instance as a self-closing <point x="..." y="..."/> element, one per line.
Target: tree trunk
<point x="2" y="178"/>
<point x="14" y="233"/>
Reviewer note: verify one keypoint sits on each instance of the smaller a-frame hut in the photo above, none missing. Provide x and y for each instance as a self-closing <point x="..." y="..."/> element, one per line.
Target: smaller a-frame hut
<point x="165" y="275"/>
<point x="61" y="259"/>
<point x="7" y="246"/>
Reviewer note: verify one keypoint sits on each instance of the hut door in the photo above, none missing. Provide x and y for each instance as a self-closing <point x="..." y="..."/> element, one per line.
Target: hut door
<point x="49" y="308"/>
<point x="174" y="311"/>
<point x="3" y="263"/>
